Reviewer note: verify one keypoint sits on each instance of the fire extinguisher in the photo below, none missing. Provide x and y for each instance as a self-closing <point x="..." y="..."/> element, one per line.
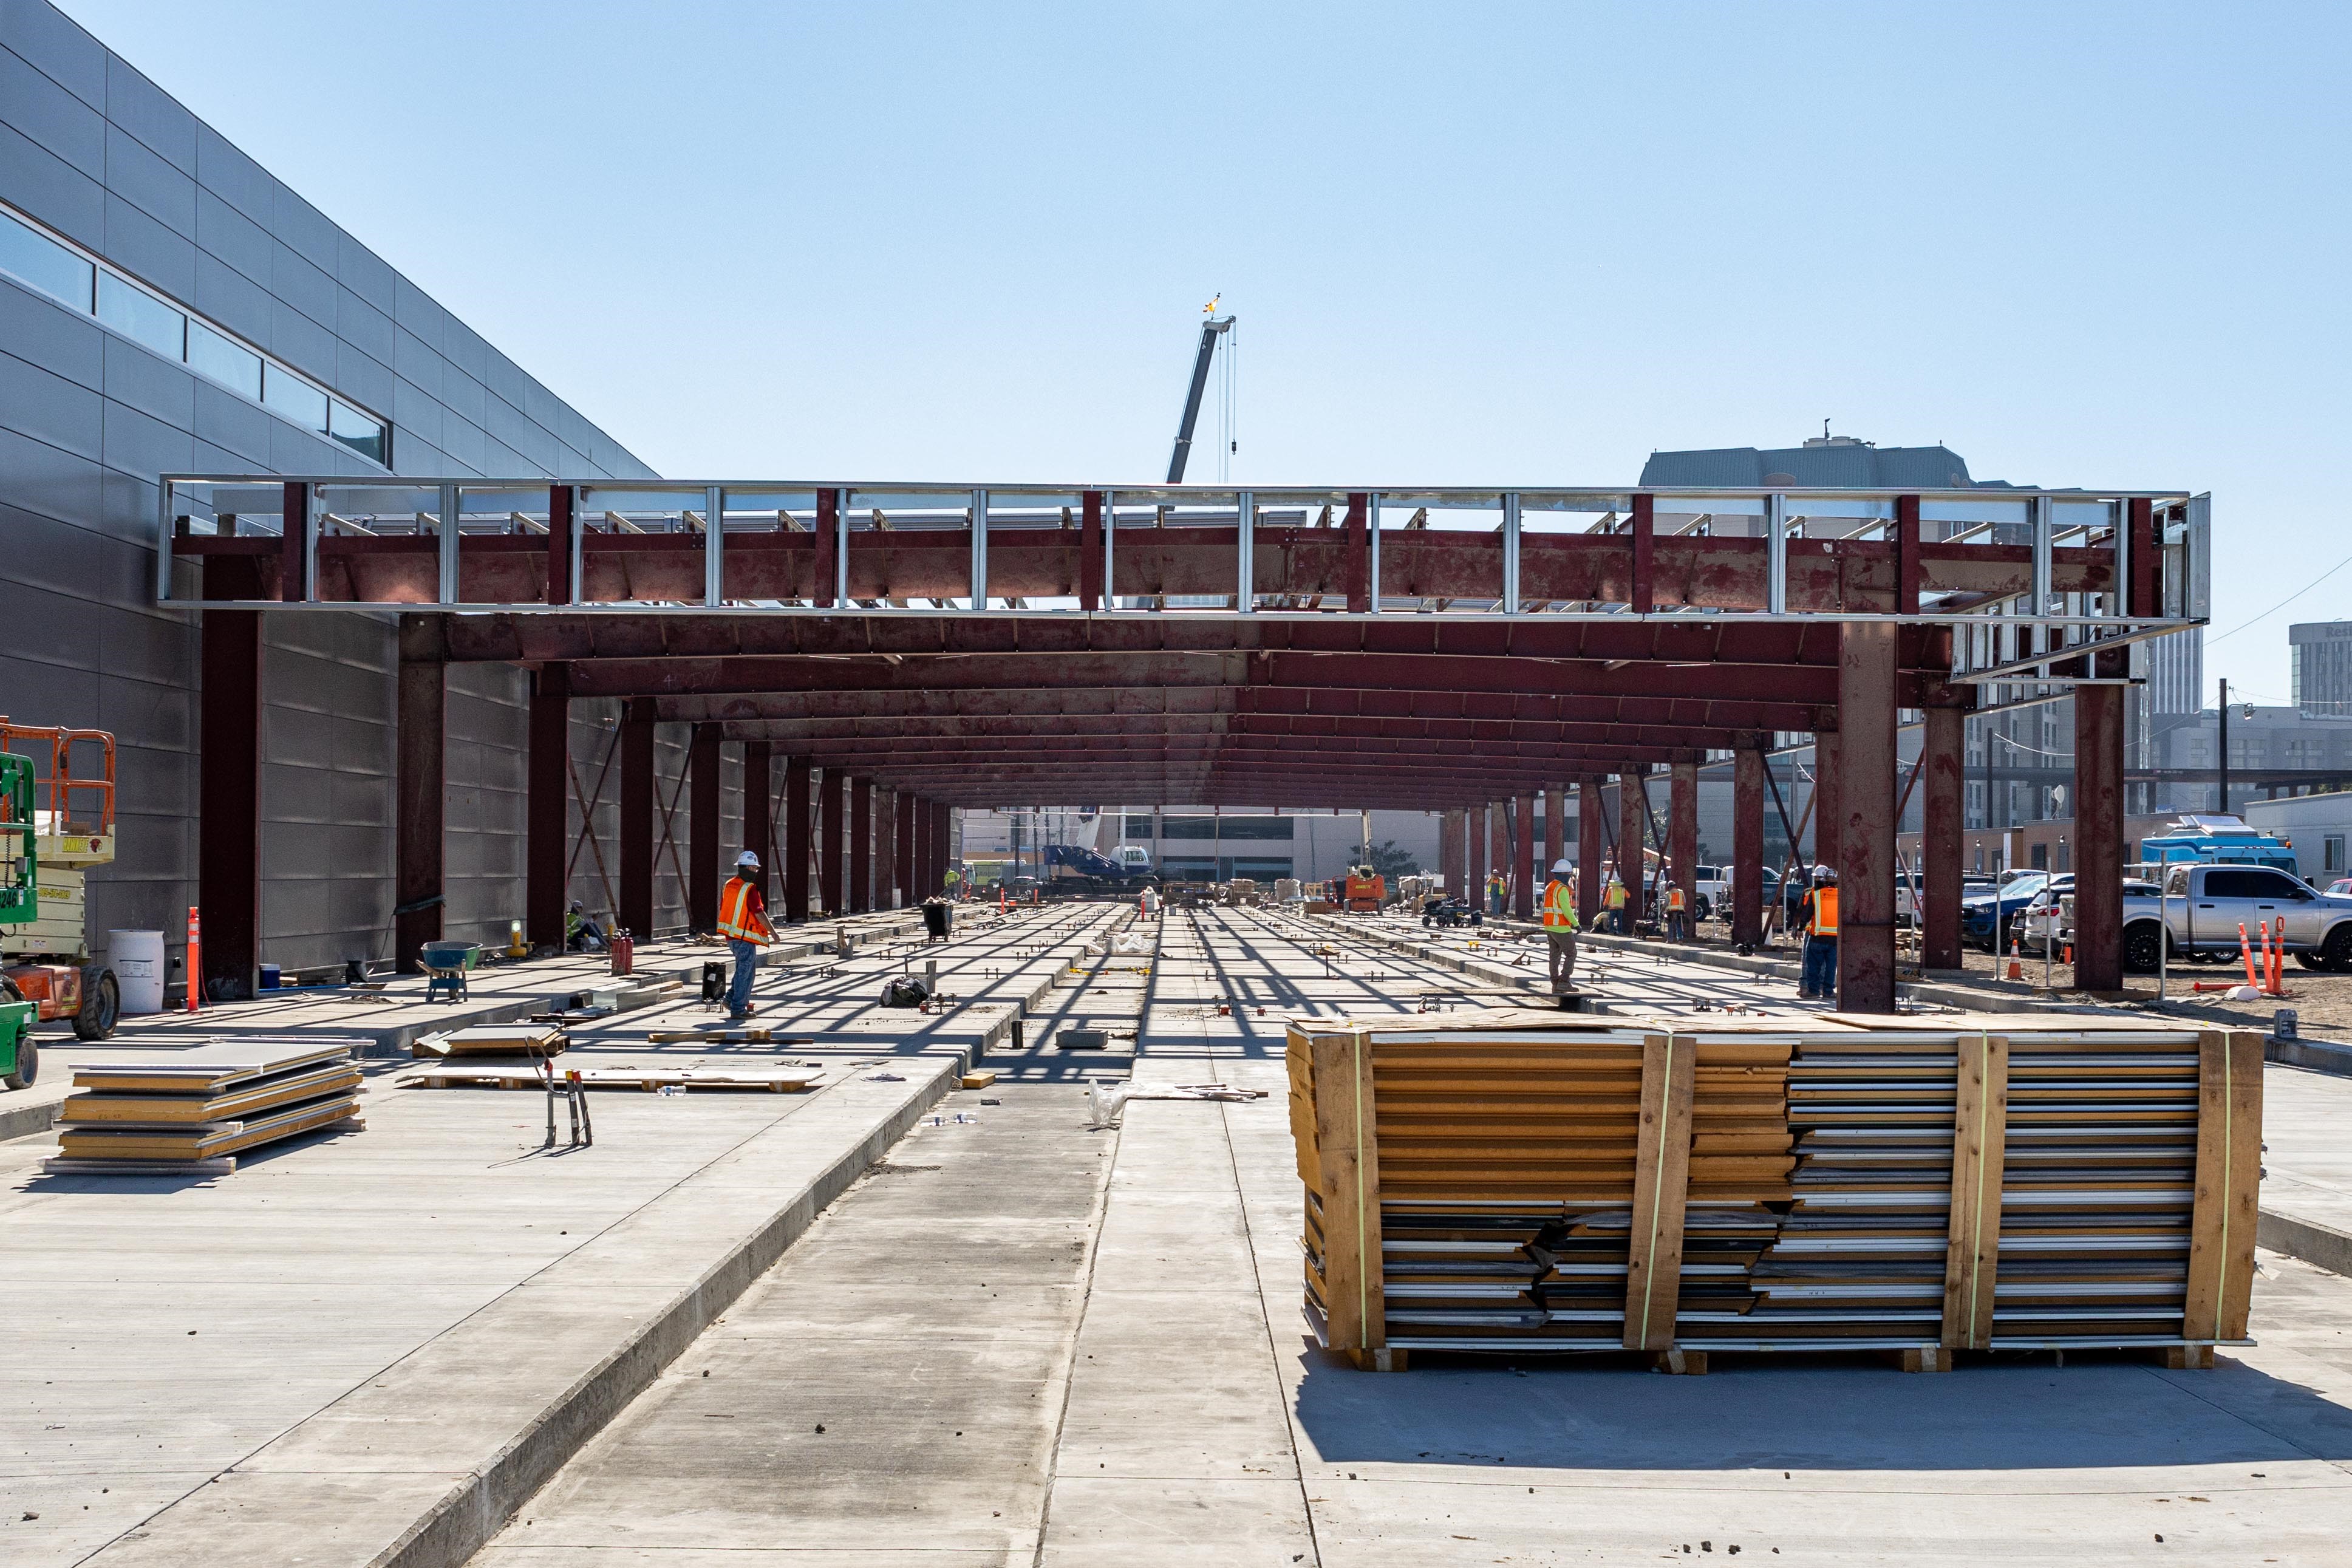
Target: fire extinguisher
<point x="625" y="952"/>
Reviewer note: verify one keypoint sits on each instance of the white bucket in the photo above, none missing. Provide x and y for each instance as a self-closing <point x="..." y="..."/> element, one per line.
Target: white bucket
<point x="137" y="959"/>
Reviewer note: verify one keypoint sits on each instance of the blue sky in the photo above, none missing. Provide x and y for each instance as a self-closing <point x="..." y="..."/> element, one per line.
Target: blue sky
<point x="2094" y="245"/>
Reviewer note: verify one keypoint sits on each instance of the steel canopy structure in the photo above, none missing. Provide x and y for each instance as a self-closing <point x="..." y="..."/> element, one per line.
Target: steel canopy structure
<point x="1433" y="648"/>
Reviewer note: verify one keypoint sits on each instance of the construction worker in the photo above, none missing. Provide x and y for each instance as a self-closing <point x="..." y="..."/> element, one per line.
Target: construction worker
<point x="1494" y="892"/>
<point x="1819" y="913"/>
<point x="580" y="933"/>
<point x="953" y="883"/>
<point x="1560" y="923"/>
<point x="1677" y="913"/>
<point x="1613" y="897"/>
<point x="743" y="922"/>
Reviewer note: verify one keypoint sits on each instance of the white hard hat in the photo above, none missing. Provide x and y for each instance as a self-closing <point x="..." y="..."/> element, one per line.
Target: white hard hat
<point x="1562" y="866"/>
<point x="747" y="858"/>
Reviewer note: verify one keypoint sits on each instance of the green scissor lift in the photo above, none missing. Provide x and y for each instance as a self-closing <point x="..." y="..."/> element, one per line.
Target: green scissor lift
<point x="20" y="900"/>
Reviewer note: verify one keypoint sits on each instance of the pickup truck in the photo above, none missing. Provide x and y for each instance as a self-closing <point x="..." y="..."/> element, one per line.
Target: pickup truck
<point x="2202" y="907"/>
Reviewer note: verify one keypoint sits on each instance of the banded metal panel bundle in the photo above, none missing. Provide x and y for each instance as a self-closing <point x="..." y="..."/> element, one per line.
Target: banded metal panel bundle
<point x="1526" y="1181"/>
<point x="193" y="1114"/>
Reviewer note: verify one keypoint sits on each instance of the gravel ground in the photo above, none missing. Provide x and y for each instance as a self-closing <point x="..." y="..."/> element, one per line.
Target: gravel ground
<point x="2323" y="1003"/>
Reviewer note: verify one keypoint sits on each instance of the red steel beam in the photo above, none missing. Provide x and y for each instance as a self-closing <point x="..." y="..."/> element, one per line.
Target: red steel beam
<point x="420" y="747"/>
<point x="2098" y="838"/>
<point x="1503" y="674"/>
<point x="1941" y="836"/>
<point x="1314" y="566"/>
<point x="547" y="821"/>
<point x="1747" y="847"/>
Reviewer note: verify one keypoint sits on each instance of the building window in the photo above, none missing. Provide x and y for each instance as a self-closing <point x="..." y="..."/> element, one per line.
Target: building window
<point x="45" y="264"/>
<point x="232" y="366"/>
<point x="66" y="273"/>
<point x="141" y="317"/>
<point x="2331" y="853"/>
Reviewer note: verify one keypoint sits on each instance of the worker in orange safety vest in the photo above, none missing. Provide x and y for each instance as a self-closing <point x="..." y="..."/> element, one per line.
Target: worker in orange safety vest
<point x="743" y="922"/>
<point x="1560" y="923"/>
<point x="1677" y="913"/>
<point x="1819" y="912"/>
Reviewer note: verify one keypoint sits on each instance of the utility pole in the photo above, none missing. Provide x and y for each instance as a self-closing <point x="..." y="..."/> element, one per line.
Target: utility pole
<point x="2225" y="747"/>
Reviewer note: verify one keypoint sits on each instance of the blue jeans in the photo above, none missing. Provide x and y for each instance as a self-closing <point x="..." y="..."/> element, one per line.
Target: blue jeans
<point x="746" y="965"/>
<point x="1820" y="968"/>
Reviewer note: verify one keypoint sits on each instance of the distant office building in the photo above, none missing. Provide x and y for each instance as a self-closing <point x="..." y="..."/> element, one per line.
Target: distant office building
<point x="2176" y="674"/>
<point x="1840" y="462"/>
<point x="2323" y="667"/>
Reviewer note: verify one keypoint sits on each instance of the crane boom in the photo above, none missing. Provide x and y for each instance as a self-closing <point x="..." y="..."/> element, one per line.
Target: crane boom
<point x="1210" y="330"/>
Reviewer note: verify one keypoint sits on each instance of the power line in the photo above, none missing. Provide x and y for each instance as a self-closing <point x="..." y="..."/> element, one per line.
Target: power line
<point x="2282" y="603"/>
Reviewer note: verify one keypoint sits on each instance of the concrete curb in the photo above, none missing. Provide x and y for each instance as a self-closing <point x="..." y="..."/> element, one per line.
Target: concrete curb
<point x="2318" y="1056"/>
<point x="28" y="1121"/>
<point x="2321" y="1246"/>
<point x="470" y="1513"/>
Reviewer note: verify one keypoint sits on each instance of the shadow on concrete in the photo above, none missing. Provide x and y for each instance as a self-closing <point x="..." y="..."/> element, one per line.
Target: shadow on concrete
<point x="1827" y="1414"/>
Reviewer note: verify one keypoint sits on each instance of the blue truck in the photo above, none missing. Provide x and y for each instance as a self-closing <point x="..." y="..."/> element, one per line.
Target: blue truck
<point x="2218" y="841"/>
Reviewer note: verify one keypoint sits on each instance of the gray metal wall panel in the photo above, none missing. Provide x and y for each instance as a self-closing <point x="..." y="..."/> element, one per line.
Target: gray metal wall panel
<point x="86" y="420"/>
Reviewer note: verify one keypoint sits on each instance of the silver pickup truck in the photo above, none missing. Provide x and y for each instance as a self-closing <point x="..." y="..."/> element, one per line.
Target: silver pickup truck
<point x="2202" y="907"/>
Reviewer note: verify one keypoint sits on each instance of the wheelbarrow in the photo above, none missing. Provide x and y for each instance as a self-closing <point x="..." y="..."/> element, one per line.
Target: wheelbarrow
<point x="444" y="964"/>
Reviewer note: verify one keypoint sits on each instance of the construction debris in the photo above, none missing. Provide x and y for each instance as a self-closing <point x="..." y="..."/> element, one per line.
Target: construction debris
<point x="527" y="1075"/>
<point x="493" y="1040"/>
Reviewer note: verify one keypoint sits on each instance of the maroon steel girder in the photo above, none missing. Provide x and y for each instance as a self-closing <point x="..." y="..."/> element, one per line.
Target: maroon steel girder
<point x="1390" y="707"/>
<point x="1311" y="563"/>
<point x="680" y="677"/>
<point x="1691" y="639"/>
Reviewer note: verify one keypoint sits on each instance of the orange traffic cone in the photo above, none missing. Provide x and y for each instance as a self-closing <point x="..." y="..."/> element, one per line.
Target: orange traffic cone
<point x="2016" y="964"/>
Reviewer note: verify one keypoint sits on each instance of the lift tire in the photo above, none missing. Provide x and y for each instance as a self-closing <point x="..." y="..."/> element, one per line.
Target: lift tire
<point x="2311" y="959"/>
<point x="101" y="1006"/>
<point x="2143" y="948"/>
<point x="28" y="1062"/>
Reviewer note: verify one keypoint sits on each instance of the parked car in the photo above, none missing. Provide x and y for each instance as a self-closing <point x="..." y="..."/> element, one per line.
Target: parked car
<point x="1984" y="916"/>
<point x="2203" y="909"/>
<point x="2340" y="889"/>
<point x="2051" y="917"/>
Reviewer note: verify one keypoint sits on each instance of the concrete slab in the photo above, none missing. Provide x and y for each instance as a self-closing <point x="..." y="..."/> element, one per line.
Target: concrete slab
<point x="368" y="1348"/>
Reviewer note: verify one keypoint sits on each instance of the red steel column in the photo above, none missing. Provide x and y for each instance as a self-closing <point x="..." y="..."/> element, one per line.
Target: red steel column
<point x="1826" y="799"/>
<point x="1940" y="838"/>
<point x="1555" y="830"/>
<point x="1498" y="840"/>
<point x="1682" y="832"/>
<point x="1590" y="846"/>
<point x="942" y="844"/>
<point x="759" y="813"/>
<point x="1747" y="846"/>
<point x="1450" y="825"/>
<point x="2098" y="838"/>
<point x="420" y="744"/>
<point x="861" y="847"/>
<point x="796" y="838"/>
<point x="1523" y="860"/>
<point x="636" y="820"/>
<point x="294" y="527"/>
<point x="228" y="792"/>
<point x="558" y="550"/>
<point x="1633" y="809"/>
<point x="832" y="828"/>
<point x="1476" y="871"/>
<point x="702" y="829"/>
<point x="909" y="819"/>
<point x="1865" y="816"/>
<point x="547" y="839"/>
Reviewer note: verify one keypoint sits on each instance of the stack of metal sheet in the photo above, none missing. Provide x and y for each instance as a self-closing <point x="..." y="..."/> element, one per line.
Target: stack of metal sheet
<point x="1501" y="1181"/>
<point x="194" y="1114"/>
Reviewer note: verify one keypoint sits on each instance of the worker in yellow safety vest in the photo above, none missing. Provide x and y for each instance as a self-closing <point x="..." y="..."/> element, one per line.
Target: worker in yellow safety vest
<point x="954" y="882"/>
<point x="743" y="922"/>
<point x="1818" y="911"/>
<point x="1494" y="888"/>
<point x="1613" y="897"/>
<point x="1677" y="913"/>
<point x="1560" y="923"/>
